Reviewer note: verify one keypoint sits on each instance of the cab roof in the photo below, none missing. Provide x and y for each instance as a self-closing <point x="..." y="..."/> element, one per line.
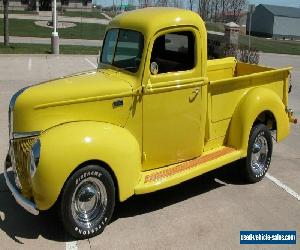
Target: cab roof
<point x="150" y="20"/>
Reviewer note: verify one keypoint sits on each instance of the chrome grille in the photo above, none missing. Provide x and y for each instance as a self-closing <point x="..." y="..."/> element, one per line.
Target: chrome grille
<point x="21" y="154"/>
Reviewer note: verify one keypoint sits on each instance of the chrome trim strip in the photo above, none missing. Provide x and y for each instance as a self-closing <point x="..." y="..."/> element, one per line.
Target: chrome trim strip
<point x="84" y="100"/>
<point x="21" y="200"/>
<point x="174" y="85"/>
<point x="178" y="84"/>
<point x="11" y="107"/>
<point x="17" y="135"/>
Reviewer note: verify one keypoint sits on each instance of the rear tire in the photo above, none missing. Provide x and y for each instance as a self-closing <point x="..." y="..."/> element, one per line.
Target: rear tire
<point x="87" y="202"/>
<point x="259" y="154"/>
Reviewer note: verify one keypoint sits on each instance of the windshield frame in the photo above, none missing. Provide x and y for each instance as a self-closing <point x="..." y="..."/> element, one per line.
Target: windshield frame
<point x="107" y="64"/>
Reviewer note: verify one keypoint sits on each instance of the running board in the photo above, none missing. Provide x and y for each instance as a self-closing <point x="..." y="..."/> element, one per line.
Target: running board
<point x="161" y="178"/>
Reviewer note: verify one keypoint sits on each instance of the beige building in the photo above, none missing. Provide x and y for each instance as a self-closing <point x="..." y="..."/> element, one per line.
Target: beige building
<point x="46" y="5"/>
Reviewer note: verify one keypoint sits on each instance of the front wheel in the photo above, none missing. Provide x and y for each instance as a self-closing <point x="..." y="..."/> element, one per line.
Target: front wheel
<point x="87" y="202"/>
<point x="259" y="154"/>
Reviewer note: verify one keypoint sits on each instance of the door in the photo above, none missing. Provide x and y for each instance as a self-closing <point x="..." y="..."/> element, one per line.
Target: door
<point x="172" y="100"/>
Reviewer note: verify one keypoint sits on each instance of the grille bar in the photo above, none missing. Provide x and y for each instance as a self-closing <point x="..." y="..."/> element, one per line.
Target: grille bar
<point x="21" y="152"/>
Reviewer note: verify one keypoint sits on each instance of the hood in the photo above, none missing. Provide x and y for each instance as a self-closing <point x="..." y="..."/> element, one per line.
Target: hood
<point x="89" y="96"/>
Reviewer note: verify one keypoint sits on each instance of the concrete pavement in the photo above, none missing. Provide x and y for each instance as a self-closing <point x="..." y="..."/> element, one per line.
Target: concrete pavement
<point x="62" y="41"/>
<point x="207" y="212"/>
<point x="106" y="16"/>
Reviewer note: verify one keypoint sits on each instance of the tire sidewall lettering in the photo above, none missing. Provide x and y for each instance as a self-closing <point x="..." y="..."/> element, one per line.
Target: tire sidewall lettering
<point x="261" y="133"/>
<point x="87" y="174"/>
<point x="92" y="230"/>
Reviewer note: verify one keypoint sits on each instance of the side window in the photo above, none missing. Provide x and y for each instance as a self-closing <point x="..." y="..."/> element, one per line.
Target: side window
<point x="174" y="52"/>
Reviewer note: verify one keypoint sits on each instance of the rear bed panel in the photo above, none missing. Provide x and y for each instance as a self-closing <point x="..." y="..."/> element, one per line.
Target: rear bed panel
<point x="225" y="93"/>
<point x="220" y="69"/>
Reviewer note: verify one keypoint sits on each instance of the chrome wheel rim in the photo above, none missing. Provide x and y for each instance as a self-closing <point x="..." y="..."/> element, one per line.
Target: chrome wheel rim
<point x="259" y="155"/>
<point x="89" y="202"/>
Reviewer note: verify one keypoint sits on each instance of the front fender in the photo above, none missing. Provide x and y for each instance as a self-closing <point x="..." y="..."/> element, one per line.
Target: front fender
<point x="250" y="107"/>
<point x="65" y="147"/>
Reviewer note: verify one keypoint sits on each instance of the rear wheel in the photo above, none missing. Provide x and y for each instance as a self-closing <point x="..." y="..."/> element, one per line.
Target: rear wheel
<point x="87" y="202"/>
<point x="259" y="154"/>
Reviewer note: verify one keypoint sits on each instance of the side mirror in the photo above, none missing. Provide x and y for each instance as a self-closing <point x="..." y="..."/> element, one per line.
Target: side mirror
<point x="154" y="68"/>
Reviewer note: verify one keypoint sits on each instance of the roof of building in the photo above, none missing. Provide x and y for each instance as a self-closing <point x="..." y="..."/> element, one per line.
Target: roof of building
<point x="283" y="11"/>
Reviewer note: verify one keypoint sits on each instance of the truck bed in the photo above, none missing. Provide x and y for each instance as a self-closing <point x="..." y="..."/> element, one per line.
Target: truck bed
<point x="229" y="81"/>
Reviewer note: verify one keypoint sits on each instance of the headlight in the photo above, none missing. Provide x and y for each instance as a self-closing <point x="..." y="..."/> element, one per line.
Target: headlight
<point x="35" y="157"/>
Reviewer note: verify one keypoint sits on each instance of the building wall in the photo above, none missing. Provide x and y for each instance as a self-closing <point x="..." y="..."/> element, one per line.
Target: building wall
<point x="73" y="5"/>
<point x="13" y="5"/>
<point x="286" y="27"/>
<point x="262" y="22"/>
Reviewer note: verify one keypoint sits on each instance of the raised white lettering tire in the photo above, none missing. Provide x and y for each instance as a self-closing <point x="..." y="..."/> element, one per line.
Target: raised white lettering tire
<point x="259" y="154"/>
<point x="87" y="202"/>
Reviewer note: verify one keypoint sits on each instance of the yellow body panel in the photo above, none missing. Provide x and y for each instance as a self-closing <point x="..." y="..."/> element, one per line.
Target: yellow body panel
<point x="87" y="96"/>
<point x="66" y="147"/>
<point x="167" y="123"/>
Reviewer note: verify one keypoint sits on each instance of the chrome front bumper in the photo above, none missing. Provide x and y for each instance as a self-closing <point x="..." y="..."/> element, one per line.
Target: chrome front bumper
<point x="21" y="200"/>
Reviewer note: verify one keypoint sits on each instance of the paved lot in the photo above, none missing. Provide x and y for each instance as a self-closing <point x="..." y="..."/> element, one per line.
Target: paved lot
<point x="205" y="213"/>
<point x="62" y="41"/>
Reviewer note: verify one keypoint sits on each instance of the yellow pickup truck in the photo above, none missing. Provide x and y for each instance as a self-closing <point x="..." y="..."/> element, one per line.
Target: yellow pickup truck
<point x="155" y="113"/>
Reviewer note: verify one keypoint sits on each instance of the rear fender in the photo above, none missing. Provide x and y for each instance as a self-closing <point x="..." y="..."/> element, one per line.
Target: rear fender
<point x="255" y="102"/>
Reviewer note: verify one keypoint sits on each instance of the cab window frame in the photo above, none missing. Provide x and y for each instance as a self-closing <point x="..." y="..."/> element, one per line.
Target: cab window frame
<point x="190" y="34"/>
<point x="106" y="64"/>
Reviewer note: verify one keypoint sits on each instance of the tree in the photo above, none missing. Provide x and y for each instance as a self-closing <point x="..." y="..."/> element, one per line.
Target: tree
<point x="163" y="3"/>
<point x="191" y="4"/>
<point x="236" y="7"/>
<point x="145" y="3"/>
<point x="216" y="7"/>
<point x="203" y="8"/>
<point x="224" y="5"/>
<point x="6" y="33"/>
<point x="177" y="4"/>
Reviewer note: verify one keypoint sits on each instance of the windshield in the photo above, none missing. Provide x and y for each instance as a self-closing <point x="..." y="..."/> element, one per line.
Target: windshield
<point x="123" y="49"/>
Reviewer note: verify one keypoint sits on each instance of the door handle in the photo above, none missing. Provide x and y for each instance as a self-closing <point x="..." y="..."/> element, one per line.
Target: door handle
<point x="195" y="92"/>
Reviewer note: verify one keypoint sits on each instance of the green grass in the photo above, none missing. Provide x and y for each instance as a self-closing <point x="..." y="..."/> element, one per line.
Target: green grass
<point x="262" y="44"/>
<point x="46" y="49"/>
<point x="89" y="31"/>
<point x="219" y="27"/>
<point x="272" y="46"/>
<point x="92" y="14"/>
<point x="96" y="32"/>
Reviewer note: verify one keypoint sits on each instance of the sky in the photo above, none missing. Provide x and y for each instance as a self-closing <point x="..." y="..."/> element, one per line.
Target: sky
<point x="292" y="3"/>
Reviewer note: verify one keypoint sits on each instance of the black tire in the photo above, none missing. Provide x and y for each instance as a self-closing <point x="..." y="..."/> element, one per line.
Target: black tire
<point x="254" y="171"/>
<point x="92" y="191"/>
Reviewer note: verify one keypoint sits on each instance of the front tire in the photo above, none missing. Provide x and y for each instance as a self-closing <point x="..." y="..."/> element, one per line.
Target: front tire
<point x="259" y="154"/>
<point x="87" y="202"/>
